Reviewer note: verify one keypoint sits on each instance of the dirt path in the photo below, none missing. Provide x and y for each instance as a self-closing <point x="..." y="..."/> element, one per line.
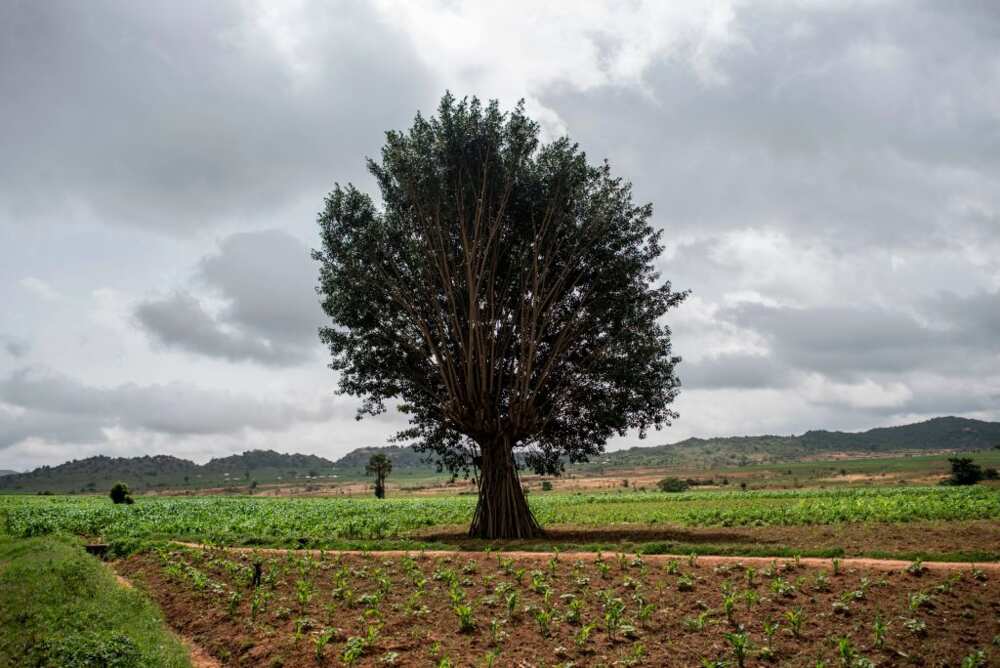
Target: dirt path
<point x="199" y="657"/>
<point x="710" y="560"/>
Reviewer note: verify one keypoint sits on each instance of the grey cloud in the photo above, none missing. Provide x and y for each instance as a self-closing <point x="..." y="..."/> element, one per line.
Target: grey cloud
<point x="64" y="409"/>
<point x="973" y="318"/>
<point x="853" y="341"/>
<point x="732" y="370"/>
<point x="272" y="312"/>
<point x="15" y="346"/>
<point x="855" y="126"/>
<point x="181" y="115"/>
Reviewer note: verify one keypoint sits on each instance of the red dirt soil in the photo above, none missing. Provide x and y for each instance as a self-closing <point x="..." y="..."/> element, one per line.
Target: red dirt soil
<point x="935" y="618"/>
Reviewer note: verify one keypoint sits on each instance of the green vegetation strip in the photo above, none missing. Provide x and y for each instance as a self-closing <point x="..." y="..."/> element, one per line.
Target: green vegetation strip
<point x="60" y="607"/>
<point x="329" y="521"/>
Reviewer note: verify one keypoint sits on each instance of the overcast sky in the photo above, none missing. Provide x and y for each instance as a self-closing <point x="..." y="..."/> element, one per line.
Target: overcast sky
<point x="827" y="174"/>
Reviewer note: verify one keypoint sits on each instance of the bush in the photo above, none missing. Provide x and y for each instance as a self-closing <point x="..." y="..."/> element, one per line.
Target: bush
<point x="672" y="485"/>
<point x="120" y="493"/>
<point x="991" y="474"/>
<point x="546" y="486"/>
<point x="964" y="471"/>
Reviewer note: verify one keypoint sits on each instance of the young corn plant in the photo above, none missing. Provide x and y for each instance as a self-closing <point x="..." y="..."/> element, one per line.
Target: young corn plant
<point x="879" y="628"/>
<point x="574" y="610"/>
<point x="320" y="641"/>
<point x="729" y="607"/>
<point x="698" y="623"/>
<point x="582" y="637"/>
<point x="740" y="644"/>
<point x="466" y="621"/>
<point x="846" y="652"/>
<point x="512" y="600"/>
<point x="794" y="618"/>
<point x="614" y="611"/>
<point x="770" y="629"/>
<point x="543" y="617"/>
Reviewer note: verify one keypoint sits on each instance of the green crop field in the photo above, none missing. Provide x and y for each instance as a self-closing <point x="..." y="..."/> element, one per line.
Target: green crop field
<point x="324" y="521"/>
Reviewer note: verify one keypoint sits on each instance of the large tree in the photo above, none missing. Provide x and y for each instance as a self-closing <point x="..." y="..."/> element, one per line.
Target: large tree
<point x="504" y="295"/>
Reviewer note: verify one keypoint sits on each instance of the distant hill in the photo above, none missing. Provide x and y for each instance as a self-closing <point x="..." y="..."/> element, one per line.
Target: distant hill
<point x="402" y="458"/>
<point x="236" y="472"/>
<point x="945" y="433"/>
<point x="97" y="474"/>
<point x="4" y="472"/>
<point x="253" y="460"/>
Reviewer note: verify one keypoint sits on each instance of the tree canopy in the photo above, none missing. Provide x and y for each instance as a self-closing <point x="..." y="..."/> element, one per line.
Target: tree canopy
<point x="504" y="295"/>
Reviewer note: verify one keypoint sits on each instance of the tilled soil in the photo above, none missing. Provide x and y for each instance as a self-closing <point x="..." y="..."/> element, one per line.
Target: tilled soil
<point x="405" y="610"/>
<point x="855" y="539"/>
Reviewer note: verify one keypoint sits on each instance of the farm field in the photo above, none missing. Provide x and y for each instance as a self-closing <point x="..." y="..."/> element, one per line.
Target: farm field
<point x="756" y="522"/>
<point x="478" y="609"/>
<point x="600" y="589"/>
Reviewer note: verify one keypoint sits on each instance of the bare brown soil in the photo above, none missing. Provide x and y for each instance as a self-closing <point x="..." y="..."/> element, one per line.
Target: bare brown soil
<point x="934" y="618"/>
<point x="855" y="539"/>
<point x="199" y="657"/>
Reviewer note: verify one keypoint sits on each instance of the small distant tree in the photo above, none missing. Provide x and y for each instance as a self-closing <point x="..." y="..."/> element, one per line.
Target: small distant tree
<point x="672" y="485"/>
<point x="120" y="493"/>
<point x="379" y="466"/>
<point x="253" y="486"/>
<point x="964" y="471"/>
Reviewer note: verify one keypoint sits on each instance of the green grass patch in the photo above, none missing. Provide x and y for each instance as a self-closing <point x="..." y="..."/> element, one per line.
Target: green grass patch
<point x="60" y="607"/>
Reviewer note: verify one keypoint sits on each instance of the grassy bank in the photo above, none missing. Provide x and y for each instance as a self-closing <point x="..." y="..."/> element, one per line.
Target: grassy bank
<point x="60" y="607"/>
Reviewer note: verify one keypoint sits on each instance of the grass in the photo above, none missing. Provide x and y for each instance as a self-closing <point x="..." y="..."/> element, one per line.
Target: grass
<point x="60" y="607"/>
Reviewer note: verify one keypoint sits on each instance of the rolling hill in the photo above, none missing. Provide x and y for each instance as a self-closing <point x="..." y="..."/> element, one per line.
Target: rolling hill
<point x="97" y="474"/>
<point x="236" y="472"/>
<point x="938" y="434"/>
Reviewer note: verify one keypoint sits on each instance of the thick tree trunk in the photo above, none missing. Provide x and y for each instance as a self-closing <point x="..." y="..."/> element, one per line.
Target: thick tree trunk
<point x="502" y="511"/>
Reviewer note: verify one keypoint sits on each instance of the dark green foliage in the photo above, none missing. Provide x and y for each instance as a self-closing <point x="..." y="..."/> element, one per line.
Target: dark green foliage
<point x="506" y="297"/>
<point x="379" y="466"/>
<point x="672" y="485"/>
<point x="120" y="493"/>
<point x="990" y="474"/>
<point x="964" y="471"/>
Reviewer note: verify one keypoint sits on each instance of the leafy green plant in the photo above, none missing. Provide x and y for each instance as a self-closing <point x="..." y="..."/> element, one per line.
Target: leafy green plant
<point x="739" y="642"/>
<point x="795" y="618"/>
<point x="582" y="637"/>
<point x="614" y="610"/>
<point x="543" y="618"/>
<point x="466" y="621"/>
<point x="879" y="628"/>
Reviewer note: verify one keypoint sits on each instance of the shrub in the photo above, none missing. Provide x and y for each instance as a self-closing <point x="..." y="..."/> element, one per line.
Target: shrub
<point x="964" y="471"/>
<point x="546" y="486"/>
<point x="120" y="493"/>
<point x="672" y="485"/>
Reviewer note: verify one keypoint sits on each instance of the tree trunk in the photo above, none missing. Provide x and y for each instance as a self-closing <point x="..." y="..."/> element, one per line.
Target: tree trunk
<point x="502" y="511"/>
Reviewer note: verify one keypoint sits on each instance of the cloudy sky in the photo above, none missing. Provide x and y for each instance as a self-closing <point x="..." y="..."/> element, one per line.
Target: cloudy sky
<point x="827" y="174"/>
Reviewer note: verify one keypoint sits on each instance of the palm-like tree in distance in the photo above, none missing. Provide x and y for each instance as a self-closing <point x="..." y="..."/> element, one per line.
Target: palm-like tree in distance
<point x="379" y="466"/>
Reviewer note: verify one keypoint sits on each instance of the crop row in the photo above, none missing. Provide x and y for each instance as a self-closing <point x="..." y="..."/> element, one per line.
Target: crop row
<point x="284" y="520"/>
